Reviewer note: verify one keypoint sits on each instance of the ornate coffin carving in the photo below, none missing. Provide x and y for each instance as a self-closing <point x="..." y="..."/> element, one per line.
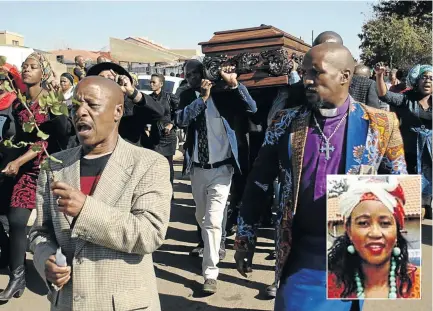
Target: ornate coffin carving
<point x="261" y="55"/>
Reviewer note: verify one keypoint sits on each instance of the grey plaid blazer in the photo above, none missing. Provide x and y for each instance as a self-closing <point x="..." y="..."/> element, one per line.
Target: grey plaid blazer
<point x="110" y="247"/>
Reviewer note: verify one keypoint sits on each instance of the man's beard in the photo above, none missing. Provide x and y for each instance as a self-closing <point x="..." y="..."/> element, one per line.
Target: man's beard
<point x="315" y="102"/>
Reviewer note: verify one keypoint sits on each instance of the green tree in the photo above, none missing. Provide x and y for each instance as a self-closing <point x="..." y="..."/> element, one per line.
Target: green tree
<point x="420" y="11"/>
<point x="399" y="42"/>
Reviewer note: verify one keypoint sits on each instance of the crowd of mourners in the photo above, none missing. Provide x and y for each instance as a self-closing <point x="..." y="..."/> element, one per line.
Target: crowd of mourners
<point x="106" y="207"/>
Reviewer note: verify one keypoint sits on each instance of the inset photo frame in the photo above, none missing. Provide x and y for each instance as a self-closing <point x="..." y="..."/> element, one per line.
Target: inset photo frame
<point x="374" y="237"/>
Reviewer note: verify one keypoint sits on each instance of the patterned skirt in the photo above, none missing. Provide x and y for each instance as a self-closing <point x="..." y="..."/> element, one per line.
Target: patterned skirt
<point x="24" y="191"/>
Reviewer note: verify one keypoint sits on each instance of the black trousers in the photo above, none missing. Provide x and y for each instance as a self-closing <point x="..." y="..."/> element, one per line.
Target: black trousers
<point x="18" y="218"/>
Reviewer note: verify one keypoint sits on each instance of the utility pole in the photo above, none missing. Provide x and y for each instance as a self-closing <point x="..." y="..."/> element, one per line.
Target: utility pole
<point x="312" y="37"/>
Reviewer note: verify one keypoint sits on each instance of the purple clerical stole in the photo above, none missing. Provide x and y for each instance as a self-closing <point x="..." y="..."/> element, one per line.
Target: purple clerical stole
<point x="310" y="218"/>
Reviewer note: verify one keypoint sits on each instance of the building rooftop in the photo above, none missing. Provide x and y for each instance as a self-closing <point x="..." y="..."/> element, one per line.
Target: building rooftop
<point x="11" y="33"/>
<point x="69" y="54"/>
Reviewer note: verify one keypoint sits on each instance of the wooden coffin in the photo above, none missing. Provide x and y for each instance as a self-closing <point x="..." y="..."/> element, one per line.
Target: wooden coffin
<point x="261" y="55"/>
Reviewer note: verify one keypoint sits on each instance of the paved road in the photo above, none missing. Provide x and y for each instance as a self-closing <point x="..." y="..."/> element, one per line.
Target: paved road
<point x="179" y="276"/>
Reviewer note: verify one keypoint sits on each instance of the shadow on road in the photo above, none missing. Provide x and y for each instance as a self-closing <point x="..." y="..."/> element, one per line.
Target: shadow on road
<point x="169" y="302"/>
<point x="181" y="187"/>
<point x="182" y="235"/>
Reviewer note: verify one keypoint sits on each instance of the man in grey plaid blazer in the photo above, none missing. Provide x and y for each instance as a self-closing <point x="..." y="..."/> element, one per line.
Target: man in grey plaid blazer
<point x="107" y="233"/>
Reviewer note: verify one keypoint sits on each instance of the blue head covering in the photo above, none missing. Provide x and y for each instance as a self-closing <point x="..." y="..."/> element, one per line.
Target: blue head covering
<point x="415" y="73"/>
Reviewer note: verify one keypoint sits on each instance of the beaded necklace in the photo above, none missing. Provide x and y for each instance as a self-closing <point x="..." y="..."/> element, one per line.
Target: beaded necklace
<point x="392" y="283"/>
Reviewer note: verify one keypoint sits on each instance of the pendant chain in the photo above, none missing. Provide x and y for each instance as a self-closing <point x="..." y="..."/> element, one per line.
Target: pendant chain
<point x="327" y="139"/>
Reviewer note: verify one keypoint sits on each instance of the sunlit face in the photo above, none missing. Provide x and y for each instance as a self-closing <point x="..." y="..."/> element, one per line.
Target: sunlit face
<point x="107" y="74"/>
<point x="373" y="232"/>
<point x="95" y="119"/>
<point x="65" y="84"/>
<point x="425" y="83"/>
<point x="322" y="80"/>
<point x="155" y="84"/>
<point x="31" y="72"/>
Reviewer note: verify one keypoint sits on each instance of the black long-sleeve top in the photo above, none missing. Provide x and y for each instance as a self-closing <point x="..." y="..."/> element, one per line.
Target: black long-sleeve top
<point x="136" y="116"/>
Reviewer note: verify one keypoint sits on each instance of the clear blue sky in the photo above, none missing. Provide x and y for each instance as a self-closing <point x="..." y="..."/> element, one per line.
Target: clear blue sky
<point x="176" y="24"/>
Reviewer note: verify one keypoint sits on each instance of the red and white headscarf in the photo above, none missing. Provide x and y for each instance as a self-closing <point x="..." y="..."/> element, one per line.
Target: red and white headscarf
<point x="390" y="193"/>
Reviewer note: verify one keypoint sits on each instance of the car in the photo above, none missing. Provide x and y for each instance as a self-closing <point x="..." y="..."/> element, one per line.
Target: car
<point x="170" y="85"/>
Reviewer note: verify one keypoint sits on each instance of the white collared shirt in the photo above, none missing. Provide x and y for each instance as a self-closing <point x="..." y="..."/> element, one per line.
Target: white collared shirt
<point x="219" y="146"/>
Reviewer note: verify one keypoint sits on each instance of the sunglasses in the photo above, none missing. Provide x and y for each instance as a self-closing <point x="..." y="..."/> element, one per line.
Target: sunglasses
<point x="427" y="78"/>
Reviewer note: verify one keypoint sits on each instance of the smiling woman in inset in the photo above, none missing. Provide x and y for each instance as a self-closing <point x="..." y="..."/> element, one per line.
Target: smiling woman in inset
<point x="371" y="259"/>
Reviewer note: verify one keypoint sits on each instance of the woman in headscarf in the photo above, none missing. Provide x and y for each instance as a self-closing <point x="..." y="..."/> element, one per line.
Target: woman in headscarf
<point x="8" y="73"/>
<point x="371" y="259"/>
<point x="67" y="87"/>
<point x="414" y="108"/>
<point x="35" y="73"/>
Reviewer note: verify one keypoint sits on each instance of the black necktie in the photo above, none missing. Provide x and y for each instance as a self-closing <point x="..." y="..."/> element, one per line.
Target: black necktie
<point x="203" y="144"/>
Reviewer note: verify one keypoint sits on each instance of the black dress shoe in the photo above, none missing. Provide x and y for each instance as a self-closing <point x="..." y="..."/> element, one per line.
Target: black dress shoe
<point x="197" y="251"/>
<point x="16" y="285"/>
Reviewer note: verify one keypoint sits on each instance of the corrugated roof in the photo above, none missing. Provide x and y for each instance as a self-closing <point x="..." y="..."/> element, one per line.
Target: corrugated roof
<point x="412" y="190"/>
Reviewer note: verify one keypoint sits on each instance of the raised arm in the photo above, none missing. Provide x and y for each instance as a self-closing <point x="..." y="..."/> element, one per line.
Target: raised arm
<point x="390" y="98"/>
<point x="190" y="110"/>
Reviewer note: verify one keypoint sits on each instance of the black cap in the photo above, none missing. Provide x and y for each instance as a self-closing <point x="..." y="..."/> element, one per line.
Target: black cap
<point x="95" y="70"/>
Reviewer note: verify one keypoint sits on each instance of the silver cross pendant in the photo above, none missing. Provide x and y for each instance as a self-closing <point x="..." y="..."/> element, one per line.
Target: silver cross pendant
<point x="326" y="149"/>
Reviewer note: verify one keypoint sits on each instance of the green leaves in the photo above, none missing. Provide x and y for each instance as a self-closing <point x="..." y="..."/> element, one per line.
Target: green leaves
<point x="21" y="97"/>
<point x="28" y="127"/>
<point x="76" y="102"/>
<point x="9" y="144"/>
<point x="42" y="135"/>
<point x="396" y="41"/>
<point x="37" y="148"/>
<point x="3" y="60"/>
<point x="55" y="159"/>
<point x="45" y="165"/>
<point x="54" y="102"/>
<point x="7" y="86"/>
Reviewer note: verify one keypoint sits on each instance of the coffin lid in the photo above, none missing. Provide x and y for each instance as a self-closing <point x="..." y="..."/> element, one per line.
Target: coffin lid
<point x="253" y="33"/>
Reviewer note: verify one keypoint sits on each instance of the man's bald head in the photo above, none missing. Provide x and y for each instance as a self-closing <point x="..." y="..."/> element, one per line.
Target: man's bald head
<point x="97" y="116"/>
<point x="328" y="36"/>
<point x="362" y="70"/>
<point x="328" y="71"/>
<point x="107" y="89"/>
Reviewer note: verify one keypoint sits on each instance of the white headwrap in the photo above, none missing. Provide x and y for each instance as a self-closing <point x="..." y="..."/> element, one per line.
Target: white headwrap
<point x="381" y="190"/>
